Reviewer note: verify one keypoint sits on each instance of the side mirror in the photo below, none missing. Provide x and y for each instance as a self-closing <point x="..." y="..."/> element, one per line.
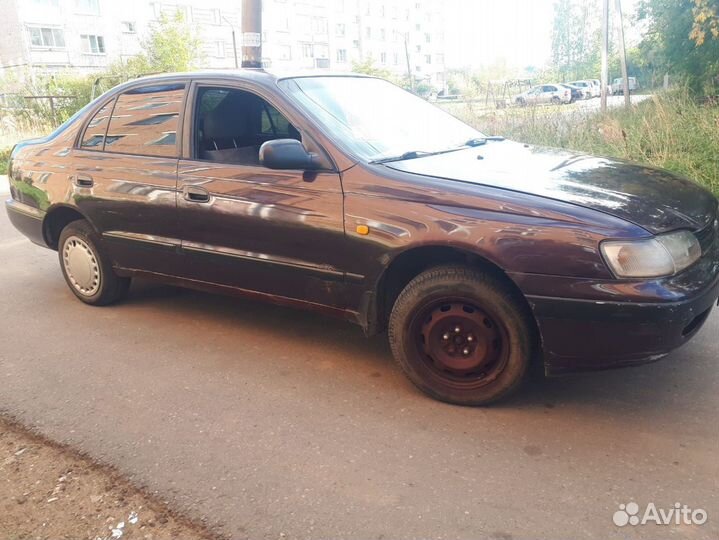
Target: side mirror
<point x="287" y="154"/>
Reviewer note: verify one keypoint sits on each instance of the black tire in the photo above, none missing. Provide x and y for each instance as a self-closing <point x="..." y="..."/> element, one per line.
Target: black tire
<point x="106" y="287"/>
<point x="556" y="101"/>
<point x="416" y="325"/>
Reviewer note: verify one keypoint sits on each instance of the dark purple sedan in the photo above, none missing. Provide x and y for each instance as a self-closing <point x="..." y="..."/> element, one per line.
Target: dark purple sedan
<point x="348" y="196"/>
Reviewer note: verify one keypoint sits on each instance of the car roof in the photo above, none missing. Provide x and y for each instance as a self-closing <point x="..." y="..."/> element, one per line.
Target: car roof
<point x="262" y="77"/>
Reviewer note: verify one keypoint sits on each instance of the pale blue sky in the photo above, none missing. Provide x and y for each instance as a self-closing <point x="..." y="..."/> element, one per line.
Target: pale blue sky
<point x="520" y="31"/>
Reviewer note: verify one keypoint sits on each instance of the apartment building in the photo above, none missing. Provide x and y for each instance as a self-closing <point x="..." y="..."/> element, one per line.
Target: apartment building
<point x="402" y="36"/>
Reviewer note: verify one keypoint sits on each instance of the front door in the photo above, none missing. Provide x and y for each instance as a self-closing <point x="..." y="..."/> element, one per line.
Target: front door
<point x="278" y="233"/>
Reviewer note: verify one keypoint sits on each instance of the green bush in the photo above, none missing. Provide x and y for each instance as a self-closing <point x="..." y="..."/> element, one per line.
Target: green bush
<point x="4" y="159"/>
<point x="670" y="131"/>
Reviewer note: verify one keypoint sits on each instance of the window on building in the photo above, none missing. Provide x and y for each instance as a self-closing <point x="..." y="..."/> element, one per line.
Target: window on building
<point x="383" y="34"/>
<point x="88" y="6"/>
<point x="285" y="52"/>
<point x="428" y="58"/>
<point x="94" y="136"/>
<point x="216" y="16"/>
<point x="383" y="57"/>
<point x="319" y="25"/>
<point x="418" y="27"/>
<point x="219" y="49"/>
<point x="232" y="125"/>
<point x="145" y="121"/>
<point x="368" y="32"/>
<point x="307" y="50"/>
<point x="395" y="59"/>
<point x="303" y="24"/>
<point x="92" y="44"/>
<point x="340" y="29"/>
<point x="355" y="43"/>
<point x="428" y="38"/>
<point x="47" y="3"/>
<point x="47" y="37"/>
<point x="128" y="27"/>
<point x="419" y="48"/>
<point x="341" y="56"/>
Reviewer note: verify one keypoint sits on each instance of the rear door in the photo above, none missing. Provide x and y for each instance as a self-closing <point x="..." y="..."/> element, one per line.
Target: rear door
<point x="278" y="233"/>
<point x="125" y="175"/>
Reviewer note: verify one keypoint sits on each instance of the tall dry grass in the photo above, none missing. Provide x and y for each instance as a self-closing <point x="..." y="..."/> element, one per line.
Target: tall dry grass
<point x="670" y="130"/>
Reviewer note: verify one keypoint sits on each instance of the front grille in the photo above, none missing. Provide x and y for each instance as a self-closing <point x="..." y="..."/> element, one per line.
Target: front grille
<point x="707" y="236"/>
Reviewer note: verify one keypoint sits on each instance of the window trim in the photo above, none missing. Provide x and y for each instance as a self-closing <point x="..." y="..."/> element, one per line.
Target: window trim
<point x="189" y="146"/>
<point x="86" y="125"/>
<point x="187" y="83"/>
<point x="89" y="37"/>
<point x="41" y="27"/>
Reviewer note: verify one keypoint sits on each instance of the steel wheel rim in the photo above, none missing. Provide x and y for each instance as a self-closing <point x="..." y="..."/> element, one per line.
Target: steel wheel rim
<point x="460" y="344"/>
<point x="81" y="266"/>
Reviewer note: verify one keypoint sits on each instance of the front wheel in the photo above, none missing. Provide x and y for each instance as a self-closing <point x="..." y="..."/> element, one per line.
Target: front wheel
<point x="87" y="271"/>
<point x="461" y="335"/>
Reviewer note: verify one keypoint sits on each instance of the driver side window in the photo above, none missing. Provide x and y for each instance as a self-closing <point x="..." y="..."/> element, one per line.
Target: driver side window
<point x="231" y="125"/>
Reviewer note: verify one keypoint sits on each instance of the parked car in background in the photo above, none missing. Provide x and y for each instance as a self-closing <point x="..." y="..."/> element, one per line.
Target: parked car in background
<point x="596" y="87"/>
<point x="587" y="88"/>
<point x="544" y="94"/>
<point x="577" y="93"/>
<point x="617" y="86"/>
<point x="347" y="195"/>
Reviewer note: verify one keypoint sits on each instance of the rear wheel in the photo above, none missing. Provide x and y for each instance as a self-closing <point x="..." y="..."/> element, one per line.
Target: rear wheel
<point x="87" y="271"/>
<point x="461" y="335"/>
<point x="556" y="100"/>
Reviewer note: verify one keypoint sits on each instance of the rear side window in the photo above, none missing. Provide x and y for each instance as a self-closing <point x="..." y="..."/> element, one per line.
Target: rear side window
<point x="145" y="121"/>
<point x="94" y="137"/>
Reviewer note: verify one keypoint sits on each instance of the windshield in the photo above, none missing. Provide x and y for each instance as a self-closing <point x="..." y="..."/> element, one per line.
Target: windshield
<point x="376" y="119"/>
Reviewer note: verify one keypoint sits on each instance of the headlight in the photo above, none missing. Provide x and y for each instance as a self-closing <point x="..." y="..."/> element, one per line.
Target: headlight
<point x="663" y="255"/>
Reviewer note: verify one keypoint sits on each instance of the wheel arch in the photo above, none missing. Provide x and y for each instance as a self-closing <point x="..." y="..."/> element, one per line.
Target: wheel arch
<point x="409" y="263"/>
<point x="56" y="219"/>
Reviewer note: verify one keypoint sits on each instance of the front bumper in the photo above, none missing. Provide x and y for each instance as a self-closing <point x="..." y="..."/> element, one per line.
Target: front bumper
<point x="621" y="324"/>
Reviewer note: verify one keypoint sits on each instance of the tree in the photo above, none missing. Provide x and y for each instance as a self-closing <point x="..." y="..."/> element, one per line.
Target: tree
<point x="669" y="48"/>
<point x="575" y="39"/>
<point x="172" y="45"/>
<point x="706" y="21"/>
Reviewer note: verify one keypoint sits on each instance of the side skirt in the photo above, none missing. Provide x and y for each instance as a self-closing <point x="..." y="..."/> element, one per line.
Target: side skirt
<point x="204" y="286"/>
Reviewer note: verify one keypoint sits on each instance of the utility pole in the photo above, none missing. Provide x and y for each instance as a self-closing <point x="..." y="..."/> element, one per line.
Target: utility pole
<point x="409" y="65"/>
<point x="234" y="40"/>
<point x="623" y="52"/>
<point x="605" y="53"/>
<point x="251" y="33"/>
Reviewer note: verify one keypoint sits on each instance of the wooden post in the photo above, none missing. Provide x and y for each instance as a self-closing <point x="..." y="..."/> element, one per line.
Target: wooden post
<point x="605" y="53"/>
<point x="623" y="53"/>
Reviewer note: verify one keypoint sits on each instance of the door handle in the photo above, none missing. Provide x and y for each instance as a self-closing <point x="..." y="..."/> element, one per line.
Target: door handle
<point x="196" y="194"/>
<point x="83" y="180"/>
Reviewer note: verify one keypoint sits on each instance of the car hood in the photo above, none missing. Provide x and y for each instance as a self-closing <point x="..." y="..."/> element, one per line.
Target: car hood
<point x="654" y="199"/>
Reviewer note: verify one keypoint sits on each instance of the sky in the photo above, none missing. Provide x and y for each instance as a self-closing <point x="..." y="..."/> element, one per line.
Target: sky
<point x="518" y="31"/>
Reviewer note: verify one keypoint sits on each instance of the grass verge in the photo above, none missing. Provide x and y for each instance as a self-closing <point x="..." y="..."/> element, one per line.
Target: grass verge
<point x="670" y="131"/>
